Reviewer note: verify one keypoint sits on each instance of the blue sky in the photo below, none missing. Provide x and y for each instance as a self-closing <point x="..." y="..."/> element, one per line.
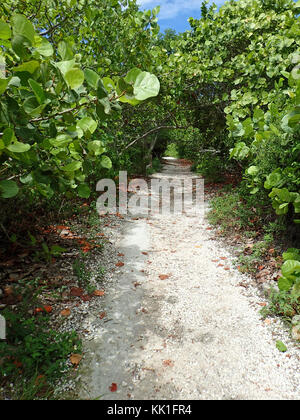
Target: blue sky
<point x="175" y="13"/>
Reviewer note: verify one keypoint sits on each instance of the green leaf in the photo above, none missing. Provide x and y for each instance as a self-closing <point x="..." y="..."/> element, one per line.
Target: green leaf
<point x="8" y="189"/>
<point x="273" y="180"/>
<point x="22" y="26"/>
<point x="124" y="87"/>
<point x="105" y="104"/>
<point x="43" y="46"/>
<point x="18" y="147"/>
<point x="84" y="191"/>
<point x="19" y="45"/>
<point x="289" y="267"/>
<point x="61" y="140"/>
<point x="37" y="90"/>
<point x="281" y="346"/>
<point x="72" y="167"/>
<point x="65" y="50"/>
<point x="106" y="162"/>
<point x="30" y="66"/>
<point x="8" y="136"/>
<point x="294" y="117"/>
<point x="240" y="151"/>
<point x="87" y="124"/>
<point x="3" y="85"/>
<point x="74" y="78"/>
<point x="45" y="190"/>
<point x="65" y="66"/>
<point x="132" y="75"/>
<point x="291" y="254"/>
<point x="284" y="284"/>
<point x="283" y="194"/>
<point x="146" y="86"/>
<point x="108" y="84"/>
<point x="252" y="170"/>
<point x="5" y="31"/>
<point x="32" y="107"/>
<point x="96" y="147"/>
<point x="92" y="78"/>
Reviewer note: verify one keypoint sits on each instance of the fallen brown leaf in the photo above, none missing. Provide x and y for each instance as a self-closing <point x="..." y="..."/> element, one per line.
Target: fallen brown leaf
<point x="75" y="359"/>
<point x="76" y="291"/>
<point x="99" y="293"/>
<point x="113" y="387"/>
<point x="119" y="264"/>
<point x="66" y="312"/>
<point x="168" y="363"/>
<point x="86" y="298"/>
<point x="102" y="315"/>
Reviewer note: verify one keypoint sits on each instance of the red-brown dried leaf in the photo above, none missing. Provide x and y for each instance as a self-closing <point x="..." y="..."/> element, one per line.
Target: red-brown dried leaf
<point x="168" y="363"/>
<point x="113" y="387"/>
<point x="76" y="291"/>
<point x="119" y="264"/>
<point x="99" y="293"/>
<point x="66" y="312"/>
<point x="86" y="298"/>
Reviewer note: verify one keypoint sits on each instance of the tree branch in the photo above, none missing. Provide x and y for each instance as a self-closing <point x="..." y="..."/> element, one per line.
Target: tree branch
<point x="153" y="130"/>
<point x="52" y="28"/>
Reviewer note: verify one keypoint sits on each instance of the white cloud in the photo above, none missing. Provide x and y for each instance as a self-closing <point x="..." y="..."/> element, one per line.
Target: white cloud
<point x="171" y="8"/>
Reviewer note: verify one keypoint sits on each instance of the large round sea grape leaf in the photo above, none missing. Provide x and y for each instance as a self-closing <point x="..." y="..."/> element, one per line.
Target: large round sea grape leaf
<point x="29" y="66"/>
<point x="284" y="284"/>
<point x="106" y="162"/>
<point x="146" y="86"/>
<point x="22" y="26"/>
<point x="65" y="50"/>
<point x="290" y="267"/>
<point x="96" y="147"/>
<point x="72" y="167"/>
<point x="3" y="85"/>
<point x="61" y="140"/>
<point x="74" y="78"/>
<point x="43" y="46"/>
<point x="87" y="124"/>
<point x="132" y="75"/>
<point x="5" y="31"/>
<point x="37" y="90"/>
<point x="8" y="189"/>
<point x="18" y="147"/>
<point x="92" y="78"/>
<point x="83" y="191"/>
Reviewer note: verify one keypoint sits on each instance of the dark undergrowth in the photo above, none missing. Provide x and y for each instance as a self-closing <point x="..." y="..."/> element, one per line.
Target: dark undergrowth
<point x="265" y="243"/>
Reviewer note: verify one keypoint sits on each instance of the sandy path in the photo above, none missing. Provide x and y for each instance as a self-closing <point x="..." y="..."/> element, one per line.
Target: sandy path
<point x="194" y="335"/>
